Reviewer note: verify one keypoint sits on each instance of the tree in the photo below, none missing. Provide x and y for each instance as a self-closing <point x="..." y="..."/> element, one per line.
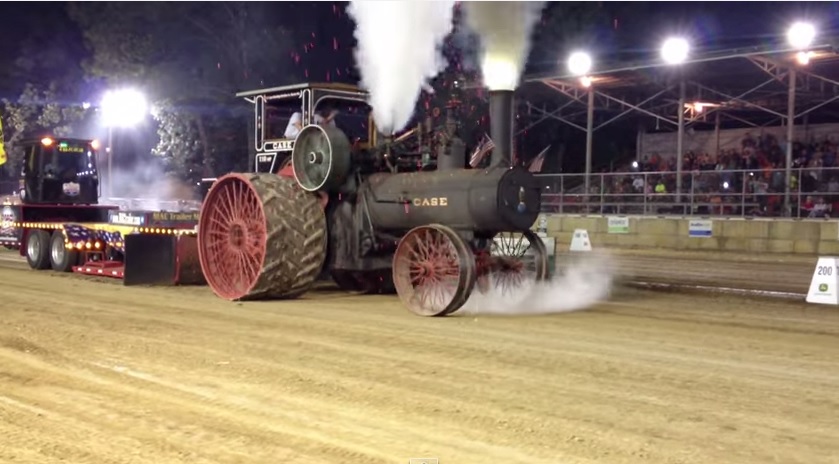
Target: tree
<point x="45" y="78"/>
<point x="191" y="58"/>
<point x="35" y="112"/>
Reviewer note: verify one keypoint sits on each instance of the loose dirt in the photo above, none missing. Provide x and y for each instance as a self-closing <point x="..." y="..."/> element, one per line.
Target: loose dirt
<point x="94" y="372"/>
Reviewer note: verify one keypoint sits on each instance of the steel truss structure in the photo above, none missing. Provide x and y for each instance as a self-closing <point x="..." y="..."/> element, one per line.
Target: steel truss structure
<point x="736" y="88"/>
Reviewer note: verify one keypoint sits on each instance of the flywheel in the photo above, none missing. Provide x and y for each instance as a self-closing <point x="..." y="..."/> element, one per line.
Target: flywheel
<point x="321" y="158"/>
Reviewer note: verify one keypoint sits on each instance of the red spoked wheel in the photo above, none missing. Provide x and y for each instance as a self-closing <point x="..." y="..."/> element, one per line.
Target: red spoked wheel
<point x="514" y="260"/>
<point x="483" y="267"/>
<point x="259" y="237"/>
<point x="433" y="270"/>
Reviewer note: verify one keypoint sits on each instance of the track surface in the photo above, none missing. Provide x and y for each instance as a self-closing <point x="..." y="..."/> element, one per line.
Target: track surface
<point x="94" y="372"/>
<point x="746" y="271"/>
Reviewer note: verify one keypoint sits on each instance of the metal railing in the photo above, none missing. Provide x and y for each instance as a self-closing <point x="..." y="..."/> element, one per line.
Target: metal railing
<point x="814" y="192"/>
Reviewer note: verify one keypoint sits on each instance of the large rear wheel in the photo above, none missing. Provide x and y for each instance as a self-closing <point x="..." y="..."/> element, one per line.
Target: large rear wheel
<point x="260" y="237"/>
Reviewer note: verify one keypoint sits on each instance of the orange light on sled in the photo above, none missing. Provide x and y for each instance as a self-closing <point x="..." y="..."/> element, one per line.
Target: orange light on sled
<point x="46" y="141"/>
<point x="94" y="144"/>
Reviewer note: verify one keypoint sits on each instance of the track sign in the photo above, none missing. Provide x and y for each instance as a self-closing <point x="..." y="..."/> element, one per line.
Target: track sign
<point x="700" y="228"/>
<point x="580" y="241"/>
<point x="824" y="288"/>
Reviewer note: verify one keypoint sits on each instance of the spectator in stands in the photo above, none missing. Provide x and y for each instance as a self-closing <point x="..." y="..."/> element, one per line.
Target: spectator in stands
<point x="756" y="167"/>
<point x="821" y="209"/>
<point x="638" y="184"/>
<point x="660" y="188"/>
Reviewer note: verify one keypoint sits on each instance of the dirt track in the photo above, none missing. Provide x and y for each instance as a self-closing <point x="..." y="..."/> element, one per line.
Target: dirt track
<point x="93" y="372"/>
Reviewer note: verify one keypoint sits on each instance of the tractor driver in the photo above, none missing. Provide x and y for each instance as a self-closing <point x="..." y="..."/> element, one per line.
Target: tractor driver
<point x="326" y="116"/>
<point x="295" y="125"/>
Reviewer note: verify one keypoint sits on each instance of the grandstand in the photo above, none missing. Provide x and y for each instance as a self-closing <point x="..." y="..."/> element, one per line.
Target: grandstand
<point x="726" y="113"/>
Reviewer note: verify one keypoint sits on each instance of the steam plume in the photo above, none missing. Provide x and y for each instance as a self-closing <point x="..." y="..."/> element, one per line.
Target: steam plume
<point x="146" y="186"/>
<point x="584" y="283"/>
<point x="504" y="29"/>
<point x="398" y="51"/>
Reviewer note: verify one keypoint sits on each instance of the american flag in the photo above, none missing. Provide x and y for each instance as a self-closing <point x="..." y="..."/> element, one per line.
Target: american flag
<point x="484" y="146"/>
<point x="538" y="161"/>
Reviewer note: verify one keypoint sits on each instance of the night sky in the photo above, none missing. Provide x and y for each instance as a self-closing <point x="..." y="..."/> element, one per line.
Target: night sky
<point x="322" y="34"/>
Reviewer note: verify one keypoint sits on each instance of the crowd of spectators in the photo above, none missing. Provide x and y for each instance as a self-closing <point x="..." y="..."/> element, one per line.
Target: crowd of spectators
<point x="749" y="179"/>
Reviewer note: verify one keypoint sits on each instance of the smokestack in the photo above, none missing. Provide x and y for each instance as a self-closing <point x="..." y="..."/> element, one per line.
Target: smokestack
<point x="501" y="126"/>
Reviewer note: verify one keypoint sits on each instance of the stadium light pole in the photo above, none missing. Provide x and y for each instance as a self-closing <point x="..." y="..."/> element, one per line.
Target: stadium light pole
<point x="123" y="108"/>
<point x="580" y="64"/>
<point x="675" y="51"/>
<point x="800" y="36"/>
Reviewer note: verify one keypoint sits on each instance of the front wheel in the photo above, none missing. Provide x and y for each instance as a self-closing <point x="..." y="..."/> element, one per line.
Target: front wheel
<point x="433" y="270"/>
<point x="511" y="262"/>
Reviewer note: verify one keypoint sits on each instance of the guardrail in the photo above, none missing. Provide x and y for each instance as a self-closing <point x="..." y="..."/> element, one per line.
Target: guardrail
<point x="814" y="192"/>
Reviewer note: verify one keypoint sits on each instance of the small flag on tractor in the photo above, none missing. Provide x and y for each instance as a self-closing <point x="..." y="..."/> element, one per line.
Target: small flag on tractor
<point x="3" y="157"/>
<point x="484" y="146"/>
<point x="538" y="161"/>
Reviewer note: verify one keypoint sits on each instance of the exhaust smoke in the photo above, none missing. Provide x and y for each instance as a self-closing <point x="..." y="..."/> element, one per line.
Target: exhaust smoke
<point x="504" y="29"/>
<point x="146" y="186"/>
<point x="398" y="52"/>
<point x="584" y="283"/>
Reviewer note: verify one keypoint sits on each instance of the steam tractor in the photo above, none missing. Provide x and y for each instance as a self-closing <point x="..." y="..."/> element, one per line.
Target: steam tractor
<point x="59" y="225"/>
<point x="374" y="211"/>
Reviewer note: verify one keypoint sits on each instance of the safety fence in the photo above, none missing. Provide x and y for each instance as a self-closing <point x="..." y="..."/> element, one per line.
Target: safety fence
<point x="814" y="192"/>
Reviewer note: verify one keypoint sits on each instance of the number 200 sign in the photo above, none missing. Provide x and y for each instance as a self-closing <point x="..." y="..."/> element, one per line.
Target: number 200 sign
<point x="824" y="271"/>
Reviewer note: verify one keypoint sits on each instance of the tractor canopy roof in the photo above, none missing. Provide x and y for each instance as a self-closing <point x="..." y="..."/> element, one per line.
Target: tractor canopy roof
<point x="320" y="87"/>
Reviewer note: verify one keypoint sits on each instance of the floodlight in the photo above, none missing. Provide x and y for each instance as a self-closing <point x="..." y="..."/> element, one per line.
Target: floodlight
<point x="801" y="35"/>
<point x="675" y="50"/>
<point x="579" y="63"/>
<point x="124" y="108"/>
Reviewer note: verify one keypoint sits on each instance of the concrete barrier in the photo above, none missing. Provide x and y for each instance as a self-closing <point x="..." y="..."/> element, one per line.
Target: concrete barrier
<point x="789" y="236"/>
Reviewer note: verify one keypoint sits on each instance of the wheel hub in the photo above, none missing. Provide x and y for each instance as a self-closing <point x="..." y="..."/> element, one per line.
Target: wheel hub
<point x="58" y="250"/>
<point x="34" y="249"/>
<point x="237" y="236"/>
<point x="315" y="157"/>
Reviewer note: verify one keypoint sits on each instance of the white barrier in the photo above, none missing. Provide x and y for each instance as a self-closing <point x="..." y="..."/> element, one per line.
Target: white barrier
<point x="580" y="241"/>
<point x="824" y="286"/>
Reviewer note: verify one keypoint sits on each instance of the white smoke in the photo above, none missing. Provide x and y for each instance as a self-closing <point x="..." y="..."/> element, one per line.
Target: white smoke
<point x="399" y="50"/>
<point x="504" y="29"/>
<point x="584" y="283"/>
<point x="146" y="186"/>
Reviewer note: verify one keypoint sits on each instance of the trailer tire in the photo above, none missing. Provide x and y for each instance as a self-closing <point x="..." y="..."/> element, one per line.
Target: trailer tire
<point x="261" y="237"/>
<point x="37" y="249"/>
<point x="62" y="259"/>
